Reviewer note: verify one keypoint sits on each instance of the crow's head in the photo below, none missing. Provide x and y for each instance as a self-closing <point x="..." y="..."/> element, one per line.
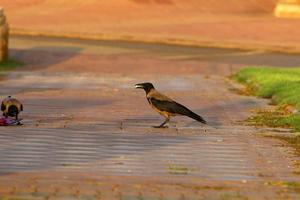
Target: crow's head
<point x="146" y="86"/>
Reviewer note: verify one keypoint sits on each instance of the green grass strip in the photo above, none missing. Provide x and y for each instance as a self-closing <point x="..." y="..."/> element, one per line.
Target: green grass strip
<point x="282" y="85"/>
<point x="10" y="65"/>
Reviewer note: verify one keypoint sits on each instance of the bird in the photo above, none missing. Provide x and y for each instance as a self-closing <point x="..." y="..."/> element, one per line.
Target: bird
<point x="11" y="107"/>
<point x="165" y="106"/>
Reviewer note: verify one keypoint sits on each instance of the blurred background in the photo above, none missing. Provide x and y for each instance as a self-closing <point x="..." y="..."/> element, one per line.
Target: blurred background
<point x="215" y="22"/>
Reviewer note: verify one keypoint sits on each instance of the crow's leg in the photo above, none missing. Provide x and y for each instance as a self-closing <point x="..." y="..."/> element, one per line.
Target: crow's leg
<point x="163" y="124"/>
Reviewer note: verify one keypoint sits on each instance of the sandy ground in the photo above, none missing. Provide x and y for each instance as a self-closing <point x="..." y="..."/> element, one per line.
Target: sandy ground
<point x="87" y="133"/>
<point x="228" y="23"/>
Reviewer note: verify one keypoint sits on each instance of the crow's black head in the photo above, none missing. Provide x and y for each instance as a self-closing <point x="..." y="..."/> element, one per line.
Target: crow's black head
<point x="146" y="86"/>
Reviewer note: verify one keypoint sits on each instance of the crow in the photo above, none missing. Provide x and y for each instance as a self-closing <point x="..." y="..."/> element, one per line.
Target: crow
<point x="166" y="106"/>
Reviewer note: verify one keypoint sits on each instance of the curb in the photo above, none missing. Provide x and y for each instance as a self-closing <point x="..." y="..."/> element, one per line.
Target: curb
<point x="235" y="45"/>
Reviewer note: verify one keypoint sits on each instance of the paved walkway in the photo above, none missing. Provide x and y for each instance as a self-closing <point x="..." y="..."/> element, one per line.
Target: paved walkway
<point x="87" y="133"/>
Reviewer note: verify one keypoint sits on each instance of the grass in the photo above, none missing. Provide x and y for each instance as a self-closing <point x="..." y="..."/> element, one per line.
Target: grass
<point x="282" y="86"/>
<point x="286" y="184"/>
<point x="176" y="169"/>
<point x="232" y="196"/>
<point x="9" y="65"/>
<point x="271" y="118"/>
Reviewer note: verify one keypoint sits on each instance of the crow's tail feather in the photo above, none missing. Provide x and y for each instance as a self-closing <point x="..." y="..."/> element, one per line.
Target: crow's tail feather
<point x="196" y="117"/>
<point x="187" y="112"/>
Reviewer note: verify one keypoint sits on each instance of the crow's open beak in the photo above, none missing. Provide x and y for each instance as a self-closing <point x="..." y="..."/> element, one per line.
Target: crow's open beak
<point x="138" y="86"/>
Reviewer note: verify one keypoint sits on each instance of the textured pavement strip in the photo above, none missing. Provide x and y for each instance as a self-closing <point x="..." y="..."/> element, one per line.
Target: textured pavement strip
<point x="206" y="155"/>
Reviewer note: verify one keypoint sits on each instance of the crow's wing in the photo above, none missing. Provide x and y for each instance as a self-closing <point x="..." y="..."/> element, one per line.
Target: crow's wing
<point x="169" y="106"/>
<point x="175" y="108"/>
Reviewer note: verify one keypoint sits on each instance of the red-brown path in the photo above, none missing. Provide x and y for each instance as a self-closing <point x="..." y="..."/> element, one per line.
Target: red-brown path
<point x="87" y="133"/>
